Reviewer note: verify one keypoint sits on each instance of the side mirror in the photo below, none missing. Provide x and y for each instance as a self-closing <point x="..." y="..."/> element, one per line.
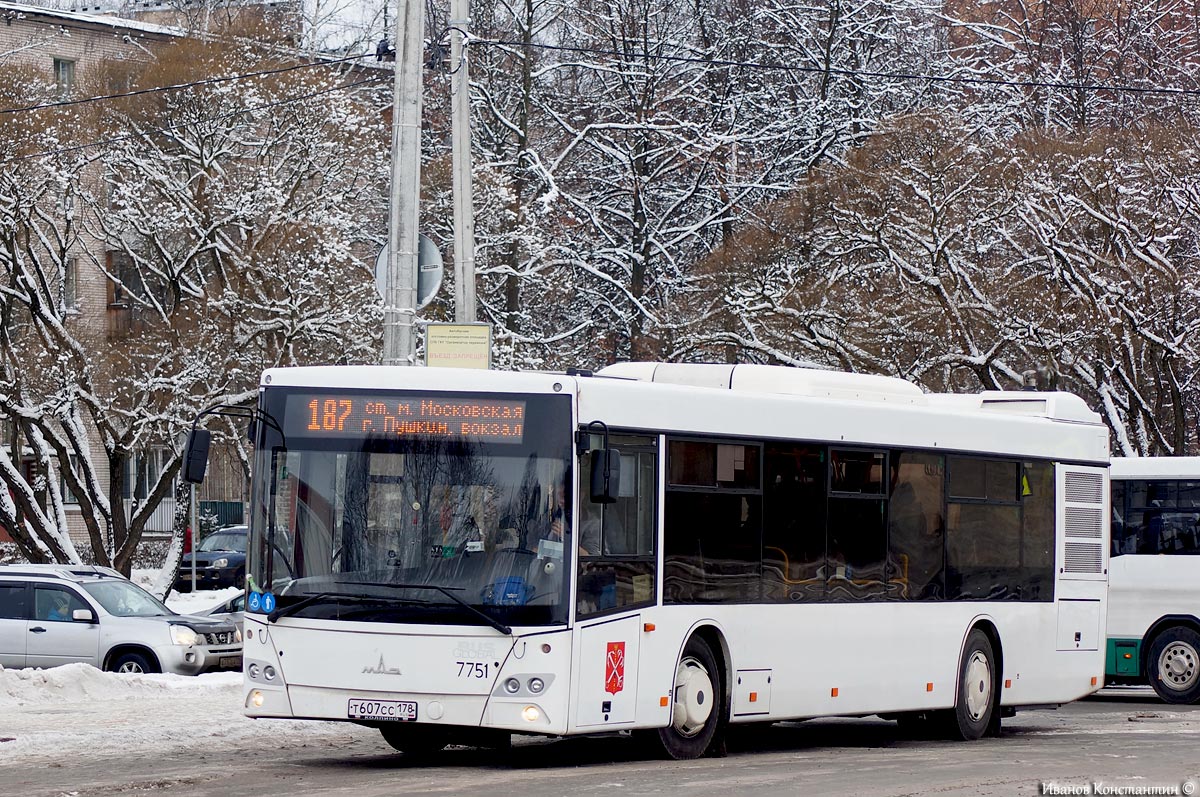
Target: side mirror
<point x="84" y="616"/>
<point x="606" y="475"/>
<point x="195" y="459"/>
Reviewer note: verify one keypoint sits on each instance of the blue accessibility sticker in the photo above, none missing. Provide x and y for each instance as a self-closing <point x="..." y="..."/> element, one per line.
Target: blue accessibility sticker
<point x="268" y="602"/>
<point x="255" y="601"/>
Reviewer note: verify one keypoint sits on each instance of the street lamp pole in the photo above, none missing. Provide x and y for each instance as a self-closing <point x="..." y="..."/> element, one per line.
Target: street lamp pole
<point x="400" y="296"/>
<point x="464" y="214"/>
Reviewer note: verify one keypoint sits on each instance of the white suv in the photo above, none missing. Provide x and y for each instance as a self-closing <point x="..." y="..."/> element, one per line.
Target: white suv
<point x="58" y="614"/>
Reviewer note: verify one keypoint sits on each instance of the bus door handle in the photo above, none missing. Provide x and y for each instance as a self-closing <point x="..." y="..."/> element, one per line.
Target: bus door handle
<point x="37" y="629"/>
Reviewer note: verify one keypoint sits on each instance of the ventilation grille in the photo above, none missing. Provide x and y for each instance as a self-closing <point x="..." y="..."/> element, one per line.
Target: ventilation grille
<point x="1084" y="557"/>
<point x="1085" y="521"/>
<point x="1085" y="488"/>
<point x="1084" y="546"/>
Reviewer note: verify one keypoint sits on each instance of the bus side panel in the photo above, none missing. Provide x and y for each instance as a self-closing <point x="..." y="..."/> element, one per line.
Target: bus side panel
<point x="866" y="658"/>
<point x="606" y="689"/>
<point x="1144" y="588"/>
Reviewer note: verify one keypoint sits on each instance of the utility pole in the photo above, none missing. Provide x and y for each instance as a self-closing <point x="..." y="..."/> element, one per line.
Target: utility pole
<point x="400" y="297"/>
<point x="464" y="213"/>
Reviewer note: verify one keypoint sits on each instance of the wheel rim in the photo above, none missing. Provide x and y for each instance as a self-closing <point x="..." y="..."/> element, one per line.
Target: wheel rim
<point x="130" y="666"/>
<point x="693" y="697"/>
<point x="978" y="683"/>
<point x="1177" y="666"/>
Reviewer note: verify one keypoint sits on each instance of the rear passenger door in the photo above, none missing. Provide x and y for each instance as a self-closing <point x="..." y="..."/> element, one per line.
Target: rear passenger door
<point x="14" y="614"/>
<point x="54" y="638"/>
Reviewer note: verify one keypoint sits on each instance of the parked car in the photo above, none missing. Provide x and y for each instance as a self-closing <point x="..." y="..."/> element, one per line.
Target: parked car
<point x="230" y="610"/>
<point x="220" y="561"/>
<point x="60" y="614"/>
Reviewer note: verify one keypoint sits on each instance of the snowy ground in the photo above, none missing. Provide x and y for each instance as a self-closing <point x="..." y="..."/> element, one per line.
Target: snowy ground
<point x="90" y="713"/>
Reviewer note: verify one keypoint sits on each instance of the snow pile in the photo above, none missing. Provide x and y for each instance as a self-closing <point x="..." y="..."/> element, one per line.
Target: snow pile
<point x="98" y="714"/>
<point x="78" y="682"/>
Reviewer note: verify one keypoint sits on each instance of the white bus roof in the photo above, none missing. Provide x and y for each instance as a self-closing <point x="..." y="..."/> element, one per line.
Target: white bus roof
<point x="1156" y="468"/>
<point x="805" y="404"/>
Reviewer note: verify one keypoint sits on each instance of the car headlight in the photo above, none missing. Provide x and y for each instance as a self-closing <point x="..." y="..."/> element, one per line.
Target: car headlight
<point x="237" y="635"/>
<point x="182" y="635"/>
<point x="221" y="563"/>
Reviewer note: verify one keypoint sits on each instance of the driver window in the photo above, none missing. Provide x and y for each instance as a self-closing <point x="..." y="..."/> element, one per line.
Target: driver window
<point x="55" y="605"/>
<point x="617" y="541"/>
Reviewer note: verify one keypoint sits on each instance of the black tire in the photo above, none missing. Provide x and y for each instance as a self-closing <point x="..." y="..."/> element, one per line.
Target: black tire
<point x="697" y="706"/>
<point x="976" y="707"/>
<point x="133" y="663"/>
<point x="1173" y="665"/>
<point x="413" y="739"/>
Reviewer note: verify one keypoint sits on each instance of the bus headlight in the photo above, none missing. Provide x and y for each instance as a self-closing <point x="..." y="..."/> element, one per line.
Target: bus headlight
<point x="253" y="670"/>
<point x="269" y="672"/>
<point x="531" y="714"/>
<point x="512" y="686"/>
<point x="536" y="685"/>
<point x="256" y="699"/>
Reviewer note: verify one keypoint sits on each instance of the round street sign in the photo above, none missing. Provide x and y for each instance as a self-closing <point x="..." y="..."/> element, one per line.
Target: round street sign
<point x="429" y="271"/>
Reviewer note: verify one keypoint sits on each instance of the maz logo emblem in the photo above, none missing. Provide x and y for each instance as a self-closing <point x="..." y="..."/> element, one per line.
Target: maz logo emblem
<point x="381" y="668"/>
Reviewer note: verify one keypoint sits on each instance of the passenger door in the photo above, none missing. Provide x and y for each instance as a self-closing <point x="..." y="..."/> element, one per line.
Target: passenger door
<point x="14" y="614"/>
<point x="54" y="638"/>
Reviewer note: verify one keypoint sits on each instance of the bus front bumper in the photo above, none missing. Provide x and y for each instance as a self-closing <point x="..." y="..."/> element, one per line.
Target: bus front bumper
<point x="543" y="715"/>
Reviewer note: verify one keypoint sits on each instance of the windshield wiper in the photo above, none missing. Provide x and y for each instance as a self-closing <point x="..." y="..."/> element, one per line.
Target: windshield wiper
<point x="449" y="593"/>
<point x="284" y="611"/>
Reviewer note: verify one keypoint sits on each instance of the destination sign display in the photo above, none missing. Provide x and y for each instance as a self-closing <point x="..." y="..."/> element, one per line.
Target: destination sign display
<point x="363" y="415"/>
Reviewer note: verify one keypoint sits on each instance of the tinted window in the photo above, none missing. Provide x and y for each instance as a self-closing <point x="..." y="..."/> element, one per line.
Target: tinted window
<point x="13" y="602"/>
<point x="1159" y="517"/>
<point x="983" y="479"/>
<point x="856" y="548"/>
<point x="712" y="547"/>
<point x="55" y="604"/>
<point x="983" y="530"/>
<point x="793" y="531"/>
<point x="1187" y="495"/>
<point x="982" y="551"/>
<point x="704" y="464"/>
<point x="858" y="472"/>
<point x="1037" y="531"/>
<point x="916" y="527"/>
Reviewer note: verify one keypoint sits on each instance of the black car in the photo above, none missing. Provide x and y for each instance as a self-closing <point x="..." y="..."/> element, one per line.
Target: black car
<point x="220" y="561"/>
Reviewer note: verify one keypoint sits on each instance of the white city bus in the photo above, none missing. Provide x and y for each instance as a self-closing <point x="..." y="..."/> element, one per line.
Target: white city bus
<point x="453" y="556"/>
<point x="1154" y="582"/>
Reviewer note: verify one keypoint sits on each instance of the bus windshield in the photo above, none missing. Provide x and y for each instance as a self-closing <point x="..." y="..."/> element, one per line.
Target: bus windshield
<point x="406" y="525"/>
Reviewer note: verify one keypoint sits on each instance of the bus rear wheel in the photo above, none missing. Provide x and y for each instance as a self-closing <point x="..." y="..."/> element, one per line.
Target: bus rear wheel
<point x="1174" y="665"/>
<point x="696" y="707"/>
<point x="975" y="709"/>
<point x="415" y="739"/>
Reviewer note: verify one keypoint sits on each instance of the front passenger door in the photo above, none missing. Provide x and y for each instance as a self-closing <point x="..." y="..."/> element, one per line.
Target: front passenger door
<point x="14" y="615"/>
<point x="54" y="638"/>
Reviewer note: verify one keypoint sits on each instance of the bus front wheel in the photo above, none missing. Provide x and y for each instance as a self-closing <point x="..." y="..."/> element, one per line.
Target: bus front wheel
<point x="975" y="708"/>
<point x="696" y="707"/>
<point x="1174" y="665"/>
